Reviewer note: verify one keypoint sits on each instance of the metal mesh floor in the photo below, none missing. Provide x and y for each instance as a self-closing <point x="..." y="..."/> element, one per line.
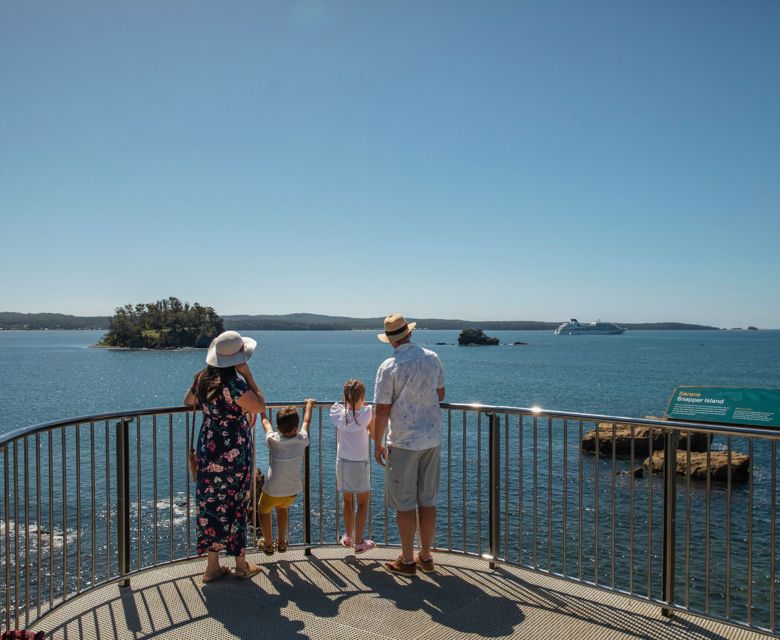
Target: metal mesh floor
<point x="332" y="595"/>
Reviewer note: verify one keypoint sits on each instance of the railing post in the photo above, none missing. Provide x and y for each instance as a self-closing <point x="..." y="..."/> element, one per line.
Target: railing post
<point x="495" y="487"/>
<point x="7" y="527"/>
<point x="122" y="494"/>
<point x="306" y="504"/>
<point x="670" y="517"/>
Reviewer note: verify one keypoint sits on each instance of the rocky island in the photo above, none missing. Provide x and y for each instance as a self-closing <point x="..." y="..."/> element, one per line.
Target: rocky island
<point x="475" y="337"/>
<point x="165" y="324"/>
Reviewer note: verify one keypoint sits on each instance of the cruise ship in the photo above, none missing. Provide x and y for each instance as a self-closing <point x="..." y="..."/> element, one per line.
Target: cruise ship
<point x="575" y="328"/>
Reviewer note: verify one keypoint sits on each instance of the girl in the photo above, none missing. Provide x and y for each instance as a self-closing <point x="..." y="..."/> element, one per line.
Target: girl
<point x="354" y="422"/>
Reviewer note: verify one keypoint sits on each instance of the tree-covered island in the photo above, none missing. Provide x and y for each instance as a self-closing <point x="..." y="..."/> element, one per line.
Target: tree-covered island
<point x="165" y="324"/>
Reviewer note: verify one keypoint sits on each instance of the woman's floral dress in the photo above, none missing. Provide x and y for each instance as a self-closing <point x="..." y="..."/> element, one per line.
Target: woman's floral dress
<point x="224" y="453"/>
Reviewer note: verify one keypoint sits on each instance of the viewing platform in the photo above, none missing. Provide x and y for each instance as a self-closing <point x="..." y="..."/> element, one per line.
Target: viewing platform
<point x="537" y="537"/>
<point x="332" y="594"/>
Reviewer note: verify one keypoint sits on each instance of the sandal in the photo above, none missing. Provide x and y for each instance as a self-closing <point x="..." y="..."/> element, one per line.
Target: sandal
<point x="268" y="549"/>
<point x="366" y="545"/>
<point x="212" y="577"/>
<point x="251" y="570"/>
<point x="281" y="546"/>
<point x="346" y="541"/>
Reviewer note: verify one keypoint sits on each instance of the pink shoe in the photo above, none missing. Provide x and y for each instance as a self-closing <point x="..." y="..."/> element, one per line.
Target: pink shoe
<point x="346" y="541"/>
<point x="366" y="545"/>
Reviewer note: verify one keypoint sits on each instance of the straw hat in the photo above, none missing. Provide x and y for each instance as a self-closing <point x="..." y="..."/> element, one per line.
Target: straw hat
<point x="396" y="328"/>
<point x="230" y="348"/>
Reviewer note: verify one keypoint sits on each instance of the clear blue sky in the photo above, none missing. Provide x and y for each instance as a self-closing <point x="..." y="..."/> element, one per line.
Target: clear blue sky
<point x="482" y="160"/>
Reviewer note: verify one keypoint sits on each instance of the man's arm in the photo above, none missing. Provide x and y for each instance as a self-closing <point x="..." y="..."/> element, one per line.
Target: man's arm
<point x="382" y="413"/>
<point x="307" y="415"/>
<point x="440" y="393"/>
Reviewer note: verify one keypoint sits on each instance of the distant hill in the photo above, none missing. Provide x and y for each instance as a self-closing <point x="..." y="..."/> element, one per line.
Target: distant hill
<point x="11" y="320"/>
<point x="313" y="321"/>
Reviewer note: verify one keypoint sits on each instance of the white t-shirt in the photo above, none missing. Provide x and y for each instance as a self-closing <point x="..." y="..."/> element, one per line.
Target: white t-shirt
<point x="284" y="467"/>
<point x="409" y="381"/>
<point x="352" y="431"/>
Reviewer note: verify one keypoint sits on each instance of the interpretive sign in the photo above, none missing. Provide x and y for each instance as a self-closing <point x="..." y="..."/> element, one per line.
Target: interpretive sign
<point x="726" y="405"/>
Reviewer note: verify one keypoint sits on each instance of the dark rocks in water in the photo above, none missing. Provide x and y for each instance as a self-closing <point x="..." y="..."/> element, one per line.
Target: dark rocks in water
<point x="752" y="328"/>
<point x="519" y="343"/>
<point x="642" y="444"/>
<point x="475" y="337"/>
<point x="718" y="467"/>
<point x="440" y="343"/>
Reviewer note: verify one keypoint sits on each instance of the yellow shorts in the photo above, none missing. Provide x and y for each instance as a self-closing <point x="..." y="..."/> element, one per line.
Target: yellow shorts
<point x="269" y="503"/>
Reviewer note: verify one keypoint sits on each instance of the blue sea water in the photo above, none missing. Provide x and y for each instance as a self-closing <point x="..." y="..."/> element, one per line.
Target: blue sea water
<point x="50" y="375"/>
<point x="46" y="375"/>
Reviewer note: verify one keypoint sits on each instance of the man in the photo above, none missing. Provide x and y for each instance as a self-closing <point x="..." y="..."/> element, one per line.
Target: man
<point x="409" y="387"/>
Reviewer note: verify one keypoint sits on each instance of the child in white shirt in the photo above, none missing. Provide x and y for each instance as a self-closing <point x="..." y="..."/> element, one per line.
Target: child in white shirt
<point x="283" y="483"/>
<point x="354" y="422"/>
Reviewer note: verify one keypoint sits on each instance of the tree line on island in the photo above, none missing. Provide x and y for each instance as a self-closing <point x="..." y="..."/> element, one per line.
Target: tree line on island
<point x="165" y="324"/>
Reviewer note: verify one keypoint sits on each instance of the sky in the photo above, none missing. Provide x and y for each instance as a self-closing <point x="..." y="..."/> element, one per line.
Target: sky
<point x="529" y="160"/>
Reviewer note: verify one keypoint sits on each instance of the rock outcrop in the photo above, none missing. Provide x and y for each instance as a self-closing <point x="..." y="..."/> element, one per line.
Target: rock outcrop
<point x="475" y="337"/>
<point x="719" y="465"/>
<point x="642" y="444"/>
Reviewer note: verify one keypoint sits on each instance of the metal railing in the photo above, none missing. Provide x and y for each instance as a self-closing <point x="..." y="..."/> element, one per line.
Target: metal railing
<point x="93" y="500"/>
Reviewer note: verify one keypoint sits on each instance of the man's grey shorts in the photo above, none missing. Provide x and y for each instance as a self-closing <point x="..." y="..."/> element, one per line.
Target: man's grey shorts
<point x="412" y="478"/>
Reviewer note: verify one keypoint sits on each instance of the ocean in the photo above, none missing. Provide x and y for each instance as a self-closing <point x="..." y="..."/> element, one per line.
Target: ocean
<point x="47" y="375"/>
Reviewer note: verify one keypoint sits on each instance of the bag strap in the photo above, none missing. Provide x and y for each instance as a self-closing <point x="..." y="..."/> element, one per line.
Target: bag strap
<point x="194" y="411"/>
<point x="192" y="431"/>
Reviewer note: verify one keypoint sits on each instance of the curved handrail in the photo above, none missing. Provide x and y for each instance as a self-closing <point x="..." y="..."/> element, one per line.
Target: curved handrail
<point x="505" y="475"/>
<point x="715" y="429"/>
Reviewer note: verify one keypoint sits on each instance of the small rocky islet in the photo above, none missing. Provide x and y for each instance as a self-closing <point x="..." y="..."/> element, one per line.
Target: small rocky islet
<point x="649" y="442"/>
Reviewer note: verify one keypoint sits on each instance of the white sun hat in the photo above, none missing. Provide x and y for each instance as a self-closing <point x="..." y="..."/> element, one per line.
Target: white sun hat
<point x="229" y="349"/>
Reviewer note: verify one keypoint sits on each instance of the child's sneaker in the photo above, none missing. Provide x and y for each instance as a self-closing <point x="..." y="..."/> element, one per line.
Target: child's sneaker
<point x="346" y="541"/>
<point x="366" y="545"/>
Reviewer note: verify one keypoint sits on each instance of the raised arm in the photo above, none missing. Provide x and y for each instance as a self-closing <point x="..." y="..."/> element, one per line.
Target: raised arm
<point x="307" y="414"/>
<point x="246" y="374"/>
<point x="190" y="399"/>
<point x="266" y="422"/>
<point x="250" y="402"/>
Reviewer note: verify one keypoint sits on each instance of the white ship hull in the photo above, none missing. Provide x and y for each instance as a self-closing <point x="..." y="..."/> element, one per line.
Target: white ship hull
<point x="575" y="328"/>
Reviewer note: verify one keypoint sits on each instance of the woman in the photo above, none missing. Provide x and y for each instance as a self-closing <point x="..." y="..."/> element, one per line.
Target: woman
<point x="225" y="451"/>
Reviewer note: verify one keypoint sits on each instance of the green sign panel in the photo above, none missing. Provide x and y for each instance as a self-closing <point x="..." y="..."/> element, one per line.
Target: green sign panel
<point x="726" y="405"/>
